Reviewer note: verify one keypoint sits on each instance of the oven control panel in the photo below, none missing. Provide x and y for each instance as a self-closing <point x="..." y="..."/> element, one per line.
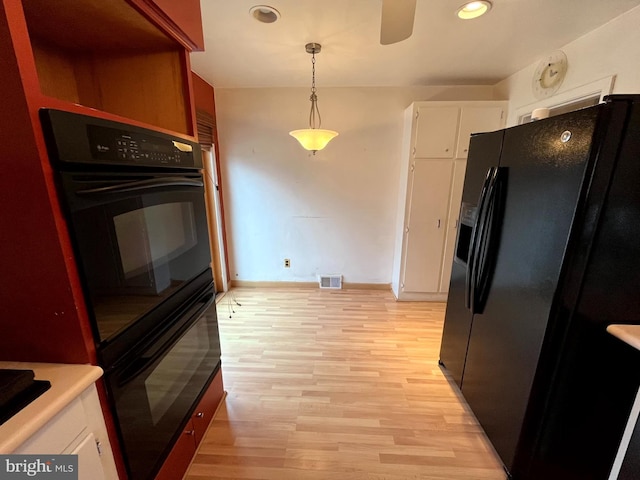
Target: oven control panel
<point x="108" y="144"/>
<point x="74" y="138"/>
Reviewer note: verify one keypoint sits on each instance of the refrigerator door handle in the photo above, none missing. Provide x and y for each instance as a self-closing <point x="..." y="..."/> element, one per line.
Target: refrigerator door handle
<point x="482" y="223"/>
<point x="475" y="234"/>
<point x="488" y="244"/>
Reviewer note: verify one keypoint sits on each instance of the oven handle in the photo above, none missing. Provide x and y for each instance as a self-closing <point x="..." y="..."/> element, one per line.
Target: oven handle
<point x="143" y="185"/>
<point x="152" y="354"/>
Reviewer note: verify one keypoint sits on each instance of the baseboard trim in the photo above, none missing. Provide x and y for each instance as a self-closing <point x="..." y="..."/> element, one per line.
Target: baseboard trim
<point x="219" y="297"/>
<point x="345" y="285"/>
<point x="250" y="284"/>
<point x="367" y="286"/>
<point x="422" y="297"/>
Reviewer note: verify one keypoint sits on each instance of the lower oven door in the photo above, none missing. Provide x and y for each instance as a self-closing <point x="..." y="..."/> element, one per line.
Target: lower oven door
<point x="155" y="389"/>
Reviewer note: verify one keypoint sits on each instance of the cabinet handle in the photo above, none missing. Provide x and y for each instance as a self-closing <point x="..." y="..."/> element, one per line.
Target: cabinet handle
<point x="200" y="415"/>
<point x="465" y="149"/>
<point x="438" y="223"/>
<point x="189" y="432"/>
<point x="456" y="224"/>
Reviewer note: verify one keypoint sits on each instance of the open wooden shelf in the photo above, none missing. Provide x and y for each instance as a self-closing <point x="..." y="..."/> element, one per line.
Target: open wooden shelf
<point x="107" y="56"/>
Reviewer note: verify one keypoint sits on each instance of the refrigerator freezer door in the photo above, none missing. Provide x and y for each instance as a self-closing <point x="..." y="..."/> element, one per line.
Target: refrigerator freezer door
<point x="545" y="176"/>
<point x="484" y="152"/>
<point x="453" y="350"/>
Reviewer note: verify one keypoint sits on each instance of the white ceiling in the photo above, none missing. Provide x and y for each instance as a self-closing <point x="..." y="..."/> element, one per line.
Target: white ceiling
<point x="443" y="50"/>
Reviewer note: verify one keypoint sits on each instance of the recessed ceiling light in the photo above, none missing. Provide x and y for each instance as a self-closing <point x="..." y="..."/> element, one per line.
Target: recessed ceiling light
<point x="473" y="9"/>
<point x="264" y="13"/>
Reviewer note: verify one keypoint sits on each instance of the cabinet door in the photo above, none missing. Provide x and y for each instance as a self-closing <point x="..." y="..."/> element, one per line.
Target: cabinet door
<point x="424" y="239"/>
<point x="207" y="407"/>
<point x="89" y="463"/>
<point x="476" y="120"/>
<point x="453" y="218"/>
<point x="178" y="460"/>
<point x="436" y="129"/>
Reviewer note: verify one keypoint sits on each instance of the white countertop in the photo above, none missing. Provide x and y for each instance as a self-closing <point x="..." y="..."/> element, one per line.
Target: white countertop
<point x="627" y="333"/>
<point x="67" y="382"/>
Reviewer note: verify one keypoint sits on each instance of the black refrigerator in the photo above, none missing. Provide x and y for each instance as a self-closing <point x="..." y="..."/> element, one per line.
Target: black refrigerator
<point x="548" y="255"/>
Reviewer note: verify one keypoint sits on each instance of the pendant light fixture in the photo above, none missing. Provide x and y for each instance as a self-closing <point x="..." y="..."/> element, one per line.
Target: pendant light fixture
<point x="313" y="138"/>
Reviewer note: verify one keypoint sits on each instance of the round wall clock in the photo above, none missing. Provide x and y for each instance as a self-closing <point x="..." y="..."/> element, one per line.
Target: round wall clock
<point x="549" y="74"/>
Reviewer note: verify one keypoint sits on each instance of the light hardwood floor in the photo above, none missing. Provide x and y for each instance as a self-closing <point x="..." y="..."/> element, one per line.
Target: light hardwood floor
<point x="338" y="384"/>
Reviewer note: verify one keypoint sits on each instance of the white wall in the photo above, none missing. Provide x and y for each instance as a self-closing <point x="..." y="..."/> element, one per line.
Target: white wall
<point x="335" y="212"/>
<point x="613" y="49"/>
<point x="332" y="213"/>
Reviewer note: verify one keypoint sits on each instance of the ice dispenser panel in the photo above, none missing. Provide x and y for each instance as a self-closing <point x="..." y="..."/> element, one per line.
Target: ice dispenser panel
<point x="467" y="219"/>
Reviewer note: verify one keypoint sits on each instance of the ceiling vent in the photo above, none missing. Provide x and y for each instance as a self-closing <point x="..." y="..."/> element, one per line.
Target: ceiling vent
<point x="330" y="281"/>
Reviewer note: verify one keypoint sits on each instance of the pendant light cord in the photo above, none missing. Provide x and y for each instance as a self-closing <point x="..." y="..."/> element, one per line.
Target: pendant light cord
<point x="314" y="98"/>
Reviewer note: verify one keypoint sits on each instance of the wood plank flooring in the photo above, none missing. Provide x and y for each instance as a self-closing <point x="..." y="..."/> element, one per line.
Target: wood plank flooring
<point x="338" y="384"/>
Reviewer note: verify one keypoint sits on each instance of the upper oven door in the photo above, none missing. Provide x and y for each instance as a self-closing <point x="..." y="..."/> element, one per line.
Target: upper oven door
<point x="139" y="238"/>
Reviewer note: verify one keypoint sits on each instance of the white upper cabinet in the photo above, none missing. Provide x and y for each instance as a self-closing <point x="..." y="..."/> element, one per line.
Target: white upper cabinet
<point x="436" y="132"/>
<point x="476" y="120"/>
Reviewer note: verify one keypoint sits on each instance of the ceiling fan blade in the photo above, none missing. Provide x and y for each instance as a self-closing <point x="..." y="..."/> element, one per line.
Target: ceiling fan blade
<point x="397" y="20"/>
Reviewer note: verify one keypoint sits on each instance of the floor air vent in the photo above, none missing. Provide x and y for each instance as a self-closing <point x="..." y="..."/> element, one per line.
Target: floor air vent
<point x="330" y="281"/>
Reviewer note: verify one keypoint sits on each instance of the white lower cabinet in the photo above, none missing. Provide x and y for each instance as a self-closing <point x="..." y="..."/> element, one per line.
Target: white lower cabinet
<point x="457" y="183"/>
<point x="435" y="148"/>
<point x="89" y="462"/>
<point x="426" y="225"/>
<point x="78" y="429"/>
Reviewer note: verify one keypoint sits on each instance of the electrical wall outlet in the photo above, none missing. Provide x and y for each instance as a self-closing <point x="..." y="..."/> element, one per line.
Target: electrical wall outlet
<point x="287" y="263"/>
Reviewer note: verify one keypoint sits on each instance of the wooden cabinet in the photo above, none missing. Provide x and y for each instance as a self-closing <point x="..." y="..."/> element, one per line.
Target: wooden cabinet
<point x="203" y="95"/>
<point x="206" y="409"/>
<point x="109" y="59"/>
<point x="102" y="55"/>
<point x="79" y="430"/>
<point x="436" y="142"/>
<point x="182" y="19"/>
<point x="183" y="451"/>
<point x="180" y="456"/>
<point x="105" y="59"/>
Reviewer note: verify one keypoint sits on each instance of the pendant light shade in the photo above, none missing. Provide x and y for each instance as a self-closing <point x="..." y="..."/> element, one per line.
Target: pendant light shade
<point x="313" y="138"/>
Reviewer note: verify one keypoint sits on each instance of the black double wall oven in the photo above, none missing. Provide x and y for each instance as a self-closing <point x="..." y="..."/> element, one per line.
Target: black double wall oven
<point x="135" y="208"/>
